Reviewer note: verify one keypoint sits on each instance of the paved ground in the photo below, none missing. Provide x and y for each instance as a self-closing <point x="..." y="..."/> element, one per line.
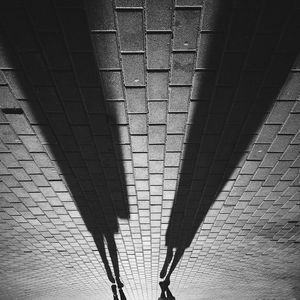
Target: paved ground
<point x="145" y="125"/>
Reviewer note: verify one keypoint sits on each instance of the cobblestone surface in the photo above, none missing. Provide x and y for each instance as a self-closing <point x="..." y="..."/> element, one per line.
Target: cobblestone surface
<point x="117" y="114"/>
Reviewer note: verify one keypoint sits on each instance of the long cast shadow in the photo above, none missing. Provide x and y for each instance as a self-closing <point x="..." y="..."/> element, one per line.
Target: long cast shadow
<point x="246" y="51"/>
<point x="48" y="61"/>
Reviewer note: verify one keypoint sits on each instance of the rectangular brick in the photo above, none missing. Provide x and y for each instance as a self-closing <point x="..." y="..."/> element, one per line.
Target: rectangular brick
<point x="138" y="124"/>
<point x="157" y="134"/>
<point x="140" y="159"/>
<point x="270" y="160"/>
<point x="216" y="15"/>
<point x="179" y="99"/>
<point x="157" y="112"/>
<point x="131" y="33"/>
<point x="159" y="14"/>
<point x="136" y="100"/>
<point x="48" y="99"/>
<point x="55" y="51"/>
<point x="280" y="143"/>
<point x="268" y="133"/>
<point x="35" y="68"/>
<point x="280" y="112"/>
<point x="172" y="159"/>
<point x="93" y="99"/>
<point x="30" y="167"/>
<point x="117" y="112"/>
<point x="66" y="85"/>
<point x="157" y="85"/>
<point x="156" y="166"/>
<point x="82" y="134"/>
<point x="76" y="113"/>
<point x="158" y="50"/>
<point x="291" y="125"/>
<point x="19" y="84"/>
<point x="141" y="173"/>
<point x="100" y="14"/>
<point x="7" y="98"/>
<point x="19" y="151"/>
<point x="156" y="152"/>
<point x="133" y="65"/>
<point x="182" y="68"/>
<point x="139" y="143"/>
<point x="230" y="68"/>
<point x="176" y="123"/>
<point x="75" y="29"/>
<point x="291" y="152"/>
<point x="210" y="50"/>
<point x="8" y="135"/>
<point x="32" y="143"/>
<point x="99" y="124"/>
<point x="187" y="24"/>
<point x="174" y="142"/>
<point x="86" y="69"/>
<point x="112" y="85"/>
<point x="106" y="49"/>
<point x="203" y="85"/>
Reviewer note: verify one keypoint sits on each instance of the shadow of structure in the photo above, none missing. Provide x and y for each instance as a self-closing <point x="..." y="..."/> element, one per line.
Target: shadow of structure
<point x="246" y="50"/>
<point x="48" y="61"/>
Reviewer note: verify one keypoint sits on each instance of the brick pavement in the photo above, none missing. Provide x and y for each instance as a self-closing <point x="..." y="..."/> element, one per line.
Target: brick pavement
<point x="128" y="111"/>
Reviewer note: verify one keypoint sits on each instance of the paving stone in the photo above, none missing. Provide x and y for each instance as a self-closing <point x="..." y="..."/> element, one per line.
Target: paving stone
<point x="156" y="166"/>
<point x="140" y="159"/>
<point x="139" y="143"/>
<point x="100" y="15"/>
<point x="112" y="85"/>
<point x="131" y="30"/>
<point x="136" y="100"/>
<point x="8" y="135"/>
<point x="179" y="99"/>
<point x="117" y="112"/>
<point x="156" y="152"/>
<point x="105" y="44"/>
<point x="17" y="82"/>
<point x="93" y="100"/>
<point x="7" y="98"/>
<point x="157" y="85"/>
<point x="35" y="68"/>
<point x="157" y="112"/>
<point x="267" y="134"/>
<point x="280" y="143"/>
<point x="85" y="69"/>
<point x="183" y="64"/>
<point x="291" y="125"/>
<point x="187" y="23"/>
<point x="157" y="134"/>
<point x="75" y="27"/>
<point x="158" y="50"/>
<point x="138" y="124"/>
<point x="270" y="159"/>
<point x="159" y="15"/>
<point x="176" y="123"/>
<point x="133" y="65"/>
<point x="55" y="51"/>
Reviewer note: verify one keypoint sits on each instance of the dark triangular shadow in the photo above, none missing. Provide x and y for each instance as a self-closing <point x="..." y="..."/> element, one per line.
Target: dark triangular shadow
<point x="54" y="80"/>
<point x="244" y="59"/>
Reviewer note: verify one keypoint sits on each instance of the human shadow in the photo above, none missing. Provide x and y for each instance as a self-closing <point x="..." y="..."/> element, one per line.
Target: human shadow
<point x="53" y="81"/>
<point x="246" y="50"/>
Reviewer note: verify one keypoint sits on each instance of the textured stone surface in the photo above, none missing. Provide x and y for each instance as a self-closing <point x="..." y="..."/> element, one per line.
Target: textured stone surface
<point x="148" y="117"/>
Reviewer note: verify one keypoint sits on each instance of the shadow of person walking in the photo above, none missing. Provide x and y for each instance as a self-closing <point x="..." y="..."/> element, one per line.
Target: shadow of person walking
<point x="243" y="62"/>
<point x="53" y="63"/>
